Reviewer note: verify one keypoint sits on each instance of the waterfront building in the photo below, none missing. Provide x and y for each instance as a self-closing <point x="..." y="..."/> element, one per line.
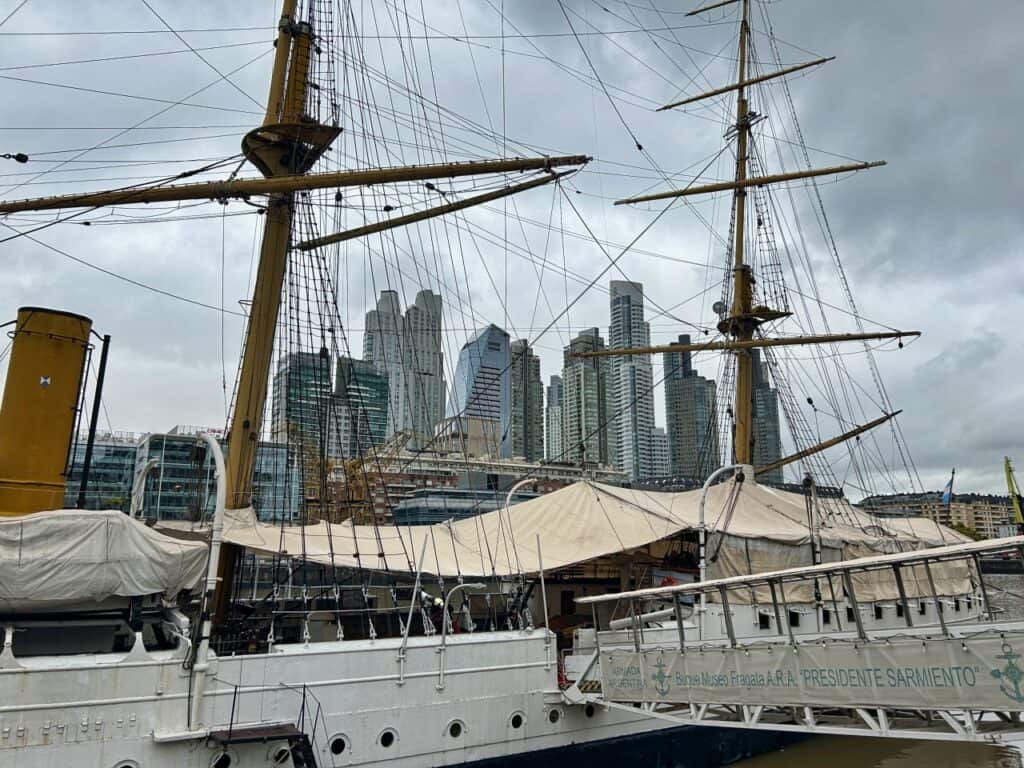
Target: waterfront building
<point x="631" y="379"/>
<point x="987" y="515"/>
<point x="408" y="350"/>
<point x="661" y="465"/>
<point x="554" y="443"/>
<point x="767" y="428"/>
<point x="527" y="402"/>
<point x="361" y="406"/>
<point x="691" y="418"/>
<point x="420" y="475"/>
<point x="480" y="408"/>
<point x="183" y="484"/>
<point x="111" y="471"/>
<point x="586" y="407"/>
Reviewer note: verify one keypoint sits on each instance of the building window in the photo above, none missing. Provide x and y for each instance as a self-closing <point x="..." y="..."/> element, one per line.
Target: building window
<point x="922" y="607"/>
<point x="899" y="610"/>
<point x="794" y="619"/>
<point x="849" y="613"/>
<point x="826" y="616"/>
<point x="878" y="612"/>
<point x="763" y="621"/>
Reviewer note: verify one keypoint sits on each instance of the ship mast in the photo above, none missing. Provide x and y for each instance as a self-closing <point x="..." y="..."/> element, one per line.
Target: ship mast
<point x="741" y="323"/>
<point x="284" y="149"/>
<point x="744" y="318"/>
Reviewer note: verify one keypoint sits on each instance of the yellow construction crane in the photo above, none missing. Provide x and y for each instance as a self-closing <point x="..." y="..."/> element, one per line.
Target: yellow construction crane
<point x="355" y="496"/>
<point x="1014" y="491"/>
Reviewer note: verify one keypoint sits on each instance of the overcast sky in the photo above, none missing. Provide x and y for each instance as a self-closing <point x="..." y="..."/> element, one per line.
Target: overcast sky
<point x="930" y="242"/>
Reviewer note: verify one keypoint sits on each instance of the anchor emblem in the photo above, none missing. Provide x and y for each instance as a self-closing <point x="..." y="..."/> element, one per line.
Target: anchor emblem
<point x="662" y="684"/>
<point x="1011" y="675"/>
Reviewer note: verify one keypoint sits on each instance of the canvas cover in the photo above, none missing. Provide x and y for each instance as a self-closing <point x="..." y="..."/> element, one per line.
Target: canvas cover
<point x="752" y="528"/>
<point x="76" y="557"/>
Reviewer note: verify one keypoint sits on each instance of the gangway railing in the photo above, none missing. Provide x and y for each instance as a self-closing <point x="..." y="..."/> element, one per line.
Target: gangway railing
<point x="941" y="680"/>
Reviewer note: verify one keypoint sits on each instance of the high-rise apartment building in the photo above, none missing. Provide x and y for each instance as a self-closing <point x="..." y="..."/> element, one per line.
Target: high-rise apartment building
<point x="631" y="381"/>
<point x="586" y="406"/>
<point x="660" y="464"/>
<point x="480" y="407"/>
<point x="301" y="406"/>
<point x="767" y="429"/>
<point x="423" y="368"/>
<point x="361" y="405"/>
<point x="527" y="402"/>
<point x="691" y="418"/>
<point x="408" y="349"/>
<point x="554" y="444"/>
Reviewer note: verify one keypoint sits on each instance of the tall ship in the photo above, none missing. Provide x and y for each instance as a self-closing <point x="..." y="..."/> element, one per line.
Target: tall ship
<point x="299" y="626"/>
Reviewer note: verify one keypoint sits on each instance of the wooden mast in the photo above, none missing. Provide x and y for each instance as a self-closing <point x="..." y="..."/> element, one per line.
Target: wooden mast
<point x="741" y="322"/>
<point x="744" y="318"/>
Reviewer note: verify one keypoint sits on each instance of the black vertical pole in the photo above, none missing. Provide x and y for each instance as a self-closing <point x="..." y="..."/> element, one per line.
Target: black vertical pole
<point x="93" y="418"/>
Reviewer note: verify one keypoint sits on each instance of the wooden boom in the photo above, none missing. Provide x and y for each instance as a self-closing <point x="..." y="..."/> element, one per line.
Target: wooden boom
<point x="749" y="343"/>
<point x="745" y="83"/>
<point x="218" y="190"/>
<point x="756" y="181"/>
<point x="401" y="221"/>
<point x="826" y="444"/>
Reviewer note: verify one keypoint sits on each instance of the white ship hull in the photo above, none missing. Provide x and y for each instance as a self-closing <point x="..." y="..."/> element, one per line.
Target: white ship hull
<point x="499" y="700"/>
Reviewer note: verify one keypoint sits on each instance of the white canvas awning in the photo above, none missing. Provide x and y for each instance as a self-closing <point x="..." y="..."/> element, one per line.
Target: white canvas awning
<point x="586" y="521"/>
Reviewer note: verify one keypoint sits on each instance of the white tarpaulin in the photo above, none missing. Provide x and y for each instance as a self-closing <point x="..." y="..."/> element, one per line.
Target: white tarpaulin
<point x="978" y="672"/>
<point x="53" y="559"/>
<point x="759" y="528"/>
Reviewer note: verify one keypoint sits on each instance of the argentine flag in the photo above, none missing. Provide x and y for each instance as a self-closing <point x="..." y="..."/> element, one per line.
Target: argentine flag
<point x="947" y="492"/>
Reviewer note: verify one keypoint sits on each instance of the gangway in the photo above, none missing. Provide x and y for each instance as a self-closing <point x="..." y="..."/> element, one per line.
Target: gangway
<point x="944" y="681"/>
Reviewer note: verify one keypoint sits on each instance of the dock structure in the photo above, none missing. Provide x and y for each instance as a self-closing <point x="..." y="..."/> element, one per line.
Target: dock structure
<point x="949" y="679"/>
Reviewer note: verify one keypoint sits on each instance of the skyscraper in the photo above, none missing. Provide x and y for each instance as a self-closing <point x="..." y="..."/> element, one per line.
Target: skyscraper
<point x="480" y="407"/>
<point x="423" y="367"/>
<point x="691" y="418"/>
<point x="300" y="410"/>
<point x="361" y="404"/>
<point x="767" y="430"/>
<point x="303" y="418"/>
<point x="632" y="382"/>
<point x="586" y="406"/>
<point x="554" y="444"/>
<point x="408" y="350"/>
<point x="382" y="347"/>
<point x="527" y="402"/>
<point x="661" y="465"/>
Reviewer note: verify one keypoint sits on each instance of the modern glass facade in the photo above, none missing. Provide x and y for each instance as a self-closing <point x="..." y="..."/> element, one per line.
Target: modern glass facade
<point x="691" y="418"/>
<point x="527" y="403"/>
<point x="631" y="382"/>
<point x="183" y="486"/>
<point x="586" y="409"/>
<point x="554" y="444"/>
<point x="409" y="351"/>
<point x="361" y="405"/>
<point x="110" y="473"/>
<point x="482" y="391"/>
<point x="767" y="428"/>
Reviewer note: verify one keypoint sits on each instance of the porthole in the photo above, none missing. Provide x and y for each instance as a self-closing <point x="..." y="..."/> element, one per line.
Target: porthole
<point x="589" y="710"/>
<point x="280" y="755"/>
<point x="455" y="729"/>
<point x="223" y="760"/>
<point x="388" y="738"/>
<point x="338" y="745"/>
<point x="516" y="720"/>
<point x="554" y="716"/>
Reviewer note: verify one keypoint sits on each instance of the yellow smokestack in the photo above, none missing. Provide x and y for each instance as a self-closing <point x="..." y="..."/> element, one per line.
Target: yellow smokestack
<point x="40" y="404"/>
